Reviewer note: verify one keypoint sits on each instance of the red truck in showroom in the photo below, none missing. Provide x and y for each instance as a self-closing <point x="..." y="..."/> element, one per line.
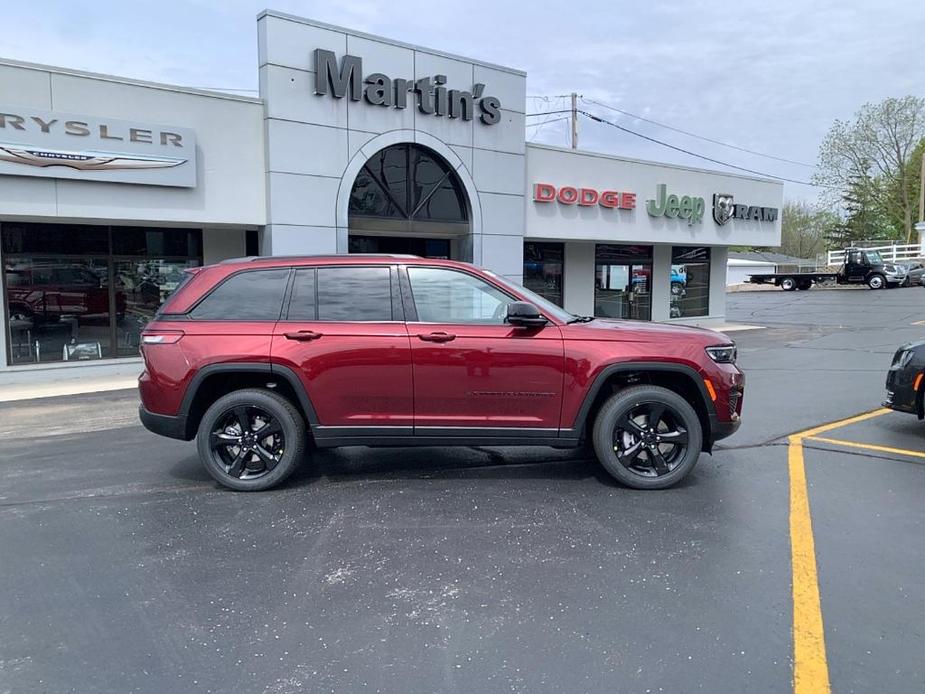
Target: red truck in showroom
<point x="263" y="359"/>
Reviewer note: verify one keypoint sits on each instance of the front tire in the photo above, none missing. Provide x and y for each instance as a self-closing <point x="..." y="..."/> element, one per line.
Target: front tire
<point x="251" y="439"/>
<point x="647" y="437"/>
<point x="876" y="282"/>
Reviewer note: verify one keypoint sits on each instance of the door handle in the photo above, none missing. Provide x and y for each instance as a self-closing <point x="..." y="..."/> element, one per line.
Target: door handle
<point x="436" y="337"/>
<point x="303" y="335"/>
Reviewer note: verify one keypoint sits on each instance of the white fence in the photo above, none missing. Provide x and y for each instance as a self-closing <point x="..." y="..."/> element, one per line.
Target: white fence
<point x="893" y="253"/>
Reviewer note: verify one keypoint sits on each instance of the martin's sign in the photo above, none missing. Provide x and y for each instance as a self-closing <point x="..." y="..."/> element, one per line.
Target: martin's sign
<point x="89" y="148"/>
<point x="428" y="94"/>
<point x="724" y="209"/>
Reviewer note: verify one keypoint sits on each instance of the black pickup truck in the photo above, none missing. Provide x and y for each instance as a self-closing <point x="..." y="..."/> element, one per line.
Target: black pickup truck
<point x="859" y="267"/>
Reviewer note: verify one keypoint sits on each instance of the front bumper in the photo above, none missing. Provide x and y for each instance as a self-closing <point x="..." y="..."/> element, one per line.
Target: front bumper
<point x="722" y="430"/>
<point x="900" y="390"/>
<point x="173" y="427"/>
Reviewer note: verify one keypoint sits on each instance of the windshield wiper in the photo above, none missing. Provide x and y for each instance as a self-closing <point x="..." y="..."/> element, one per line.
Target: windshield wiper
<point x="580" y="319"/>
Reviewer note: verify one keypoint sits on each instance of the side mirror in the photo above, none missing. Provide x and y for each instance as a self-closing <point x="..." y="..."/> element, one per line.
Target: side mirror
<point x="524" y="314"/>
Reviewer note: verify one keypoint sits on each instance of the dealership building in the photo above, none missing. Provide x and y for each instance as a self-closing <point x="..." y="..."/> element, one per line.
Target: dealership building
<point x="111" y="187"/>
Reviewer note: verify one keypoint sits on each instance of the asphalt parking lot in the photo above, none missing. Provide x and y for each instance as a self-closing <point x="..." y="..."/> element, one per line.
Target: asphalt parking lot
<point x="123" y="567"/>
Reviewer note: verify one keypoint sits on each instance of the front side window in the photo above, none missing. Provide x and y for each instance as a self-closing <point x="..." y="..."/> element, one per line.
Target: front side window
<point x="355" y="294"/>
<point x="253" y="295"/>
<point x="447" y="296"/>
<point x="690" y="281"/>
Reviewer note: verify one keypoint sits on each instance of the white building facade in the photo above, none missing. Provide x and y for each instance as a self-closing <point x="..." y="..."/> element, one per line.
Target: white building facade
<point x="110" y="187"/>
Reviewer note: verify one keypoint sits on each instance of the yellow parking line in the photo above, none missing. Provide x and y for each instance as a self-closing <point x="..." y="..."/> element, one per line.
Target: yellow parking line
<point x="810" y="665"/>
<point x="842" y="423"/>
<point x="868" y="446"/>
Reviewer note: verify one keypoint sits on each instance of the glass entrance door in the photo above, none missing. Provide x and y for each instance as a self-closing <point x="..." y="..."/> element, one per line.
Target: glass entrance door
<point x="622" y="282"/>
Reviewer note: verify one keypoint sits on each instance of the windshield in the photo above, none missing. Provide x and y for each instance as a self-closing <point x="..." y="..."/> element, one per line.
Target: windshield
<point x="544" y="305"/>
<point x="873" y="257"/>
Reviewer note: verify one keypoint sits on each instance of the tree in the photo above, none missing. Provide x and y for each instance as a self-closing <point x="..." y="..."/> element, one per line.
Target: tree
<point x="864" y="218"/>
<point x="871" y="159"/>
<point x="805" y="229"/>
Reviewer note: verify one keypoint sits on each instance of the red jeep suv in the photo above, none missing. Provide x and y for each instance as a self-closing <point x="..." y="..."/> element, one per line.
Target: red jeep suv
<point x="258" y="358"/>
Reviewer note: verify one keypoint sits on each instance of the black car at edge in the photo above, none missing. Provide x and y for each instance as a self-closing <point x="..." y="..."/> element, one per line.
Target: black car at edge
<point x="904" y="380"/>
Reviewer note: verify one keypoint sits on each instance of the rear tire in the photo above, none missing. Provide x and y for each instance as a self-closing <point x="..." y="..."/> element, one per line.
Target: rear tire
<point x="876" y="282"/>
<point x="803" y="285"/>
<point x="251" y="439"/>
<point x="788" y="284"/>
<point x="642" y="453"/>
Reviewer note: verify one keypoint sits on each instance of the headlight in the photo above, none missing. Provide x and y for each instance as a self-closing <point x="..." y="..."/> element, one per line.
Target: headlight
<point x="903" y="357"/>
<point x="722" y="354"/>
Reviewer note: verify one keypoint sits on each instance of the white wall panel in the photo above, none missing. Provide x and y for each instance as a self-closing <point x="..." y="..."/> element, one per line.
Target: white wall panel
<point x="306" y="149"/>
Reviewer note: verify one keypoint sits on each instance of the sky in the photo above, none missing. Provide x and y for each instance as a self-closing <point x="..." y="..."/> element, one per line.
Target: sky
<point x="765" y="76"/>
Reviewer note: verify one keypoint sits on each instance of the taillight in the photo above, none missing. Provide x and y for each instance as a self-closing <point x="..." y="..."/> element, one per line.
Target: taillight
<point x="167" y="337"/>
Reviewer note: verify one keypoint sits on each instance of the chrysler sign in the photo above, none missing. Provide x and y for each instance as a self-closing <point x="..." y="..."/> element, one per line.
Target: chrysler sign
<point x="90" y="148"/>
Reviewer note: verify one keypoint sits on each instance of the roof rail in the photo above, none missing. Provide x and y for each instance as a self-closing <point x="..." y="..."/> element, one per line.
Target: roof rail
<point x="252" y="258"/>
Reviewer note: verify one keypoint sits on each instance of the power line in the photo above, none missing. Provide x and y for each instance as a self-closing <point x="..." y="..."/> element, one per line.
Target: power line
<point x="693" y="154"/>
<point x="549" y="113"/>
<point x="545" y="122"/>
<point x="699" y="137"/>
<point x="536" y="132"/>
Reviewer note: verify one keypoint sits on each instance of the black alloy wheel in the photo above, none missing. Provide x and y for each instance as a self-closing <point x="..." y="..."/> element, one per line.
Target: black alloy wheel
<point x="647" y="437"/>
<point x="251" y="439"/>
<point x="248" y="442"/>
<point x="650" y="439"/>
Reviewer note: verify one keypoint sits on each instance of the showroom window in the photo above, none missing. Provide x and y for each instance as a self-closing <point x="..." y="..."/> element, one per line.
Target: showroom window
<point x="690" y="281"/>
<point x="543" y="267"/>
<point x="622" y="279"/>
<point x="82" y="292"/>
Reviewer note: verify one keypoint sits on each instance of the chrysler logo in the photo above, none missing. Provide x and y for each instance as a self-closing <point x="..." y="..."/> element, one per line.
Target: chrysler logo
<point x="83" y="161"/>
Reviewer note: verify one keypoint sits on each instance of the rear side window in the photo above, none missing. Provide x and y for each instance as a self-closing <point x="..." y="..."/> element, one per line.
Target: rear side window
<point x="354" y="294"/>
<point x="254" y="295"/>
<point x="302" y="304"/>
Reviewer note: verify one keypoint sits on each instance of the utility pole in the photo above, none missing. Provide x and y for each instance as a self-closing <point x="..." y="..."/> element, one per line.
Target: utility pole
<point x="575" y="122"/>
<point x="921" y="191"/>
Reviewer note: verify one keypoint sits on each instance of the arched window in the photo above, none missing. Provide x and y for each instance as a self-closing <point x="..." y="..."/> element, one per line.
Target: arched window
<point x="407" y="187"/>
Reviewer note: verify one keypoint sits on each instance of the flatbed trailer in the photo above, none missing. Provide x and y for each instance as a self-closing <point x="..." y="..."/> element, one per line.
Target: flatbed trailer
<point x="860" y="267"/>
<point x="790" y="281"/>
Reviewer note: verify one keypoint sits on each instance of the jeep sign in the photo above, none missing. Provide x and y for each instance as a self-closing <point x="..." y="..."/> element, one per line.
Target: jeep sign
<point x="686" y="207"/>
<point x="429" y="94"/>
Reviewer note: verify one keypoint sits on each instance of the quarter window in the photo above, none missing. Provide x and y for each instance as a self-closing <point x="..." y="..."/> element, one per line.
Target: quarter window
<point x="253" y="295"/>
<point x="355" y="294"/>
<point x="446" y="296"/>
